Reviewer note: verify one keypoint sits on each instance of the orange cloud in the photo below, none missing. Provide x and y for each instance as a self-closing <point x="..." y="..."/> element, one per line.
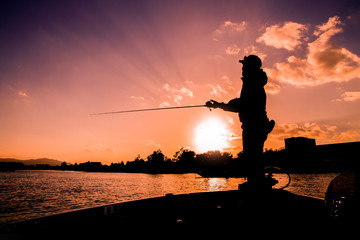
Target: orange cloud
<point x="287" y="36"/>
<point x="310" y="130"/>
<point x="331" y="63"/>
<point x="22" y="93"/>
<point x="232" y="50"/>
<point x="151" y="143"/>
<point x="295" y="71"/>
<point x="325" y="62"/>
<point x="137" y="98"/>
<point x="313" y="130"/>
<point x="165" y="104"/>
<point x="347" y="136"/>
<point x="229" y="26"/>
<point x="178" y="94"/>
<point x="182" y="90"/>
<point x="272" y="88"/>
<point x="217" y="90"/>
<point x="349" y="97"/>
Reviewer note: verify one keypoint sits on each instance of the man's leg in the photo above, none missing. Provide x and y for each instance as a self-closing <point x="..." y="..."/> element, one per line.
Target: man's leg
<point x="253" y="151"/>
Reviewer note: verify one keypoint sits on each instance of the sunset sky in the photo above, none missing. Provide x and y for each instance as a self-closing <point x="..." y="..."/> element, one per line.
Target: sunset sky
<point x="60" y="61"/>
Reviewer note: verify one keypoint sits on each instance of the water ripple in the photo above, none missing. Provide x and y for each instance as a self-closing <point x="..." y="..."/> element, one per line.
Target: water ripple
<point x="28" y="194"/>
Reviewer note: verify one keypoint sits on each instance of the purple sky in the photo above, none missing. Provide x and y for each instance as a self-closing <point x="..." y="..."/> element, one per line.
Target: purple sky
<point x="62" y="60"/>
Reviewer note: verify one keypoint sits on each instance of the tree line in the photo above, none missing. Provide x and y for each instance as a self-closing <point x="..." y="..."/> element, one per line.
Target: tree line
<point x="183" y="161"/>
<point x="212" y="163"/>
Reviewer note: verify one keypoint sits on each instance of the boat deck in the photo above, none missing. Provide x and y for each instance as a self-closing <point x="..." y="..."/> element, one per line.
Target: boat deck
<point x="216" y="211"/>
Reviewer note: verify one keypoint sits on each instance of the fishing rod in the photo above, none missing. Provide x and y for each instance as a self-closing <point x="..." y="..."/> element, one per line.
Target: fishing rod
<point x="148" y="109"/>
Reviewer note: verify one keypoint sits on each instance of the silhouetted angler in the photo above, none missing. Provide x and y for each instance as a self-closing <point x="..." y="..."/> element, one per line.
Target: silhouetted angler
<point x="251" y="107"/>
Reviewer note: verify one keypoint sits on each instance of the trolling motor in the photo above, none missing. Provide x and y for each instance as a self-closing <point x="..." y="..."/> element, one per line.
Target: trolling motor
<point x="271" y="181"/>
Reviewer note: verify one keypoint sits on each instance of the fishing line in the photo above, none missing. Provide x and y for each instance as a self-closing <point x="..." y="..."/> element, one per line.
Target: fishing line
<point x="147" y="109"/>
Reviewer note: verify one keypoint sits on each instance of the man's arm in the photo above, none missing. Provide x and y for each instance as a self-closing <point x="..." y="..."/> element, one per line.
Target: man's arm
<point x="233" y="105"/>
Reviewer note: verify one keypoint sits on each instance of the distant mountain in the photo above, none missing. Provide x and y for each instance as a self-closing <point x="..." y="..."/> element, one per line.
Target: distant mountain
<point x="51" y="162"/>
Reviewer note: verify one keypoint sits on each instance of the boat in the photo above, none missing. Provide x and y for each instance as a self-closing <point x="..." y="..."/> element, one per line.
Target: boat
<point x="234" y="211"/>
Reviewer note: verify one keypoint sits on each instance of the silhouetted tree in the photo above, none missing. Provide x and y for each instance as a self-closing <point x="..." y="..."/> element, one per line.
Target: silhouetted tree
<point x="185" y="160"/>
<point x="156" y="161"/>
<point x="214" y="158"/>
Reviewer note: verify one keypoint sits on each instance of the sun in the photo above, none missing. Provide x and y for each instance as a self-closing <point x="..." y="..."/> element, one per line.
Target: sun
<point x="211" y="135"/>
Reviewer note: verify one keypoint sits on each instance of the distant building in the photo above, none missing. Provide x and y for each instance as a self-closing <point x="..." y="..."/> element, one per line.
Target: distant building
<point x="342" y="151"/>
<point x="335" y="150"/>
<point x="300" y="144"/>
<point x="304" y="152"/>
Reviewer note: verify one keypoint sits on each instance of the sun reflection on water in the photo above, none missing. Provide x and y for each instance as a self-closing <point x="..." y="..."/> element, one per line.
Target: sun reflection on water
<point x="216" y="184"/>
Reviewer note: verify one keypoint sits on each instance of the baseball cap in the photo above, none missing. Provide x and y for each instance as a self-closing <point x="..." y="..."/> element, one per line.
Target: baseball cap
<point x="253" y="60"/>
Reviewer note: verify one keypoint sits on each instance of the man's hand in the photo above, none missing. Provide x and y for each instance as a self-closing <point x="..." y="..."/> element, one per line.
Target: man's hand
<point x="213" y="104"/>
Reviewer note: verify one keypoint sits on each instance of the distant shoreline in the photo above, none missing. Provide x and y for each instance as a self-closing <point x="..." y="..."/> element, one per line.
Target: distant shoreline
<point x="212" y="163"/>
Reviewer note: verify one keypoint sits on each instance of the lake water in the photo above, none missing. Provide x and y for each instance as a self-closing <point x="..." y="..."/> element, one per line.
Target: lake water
<point x="28" y="194"/>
